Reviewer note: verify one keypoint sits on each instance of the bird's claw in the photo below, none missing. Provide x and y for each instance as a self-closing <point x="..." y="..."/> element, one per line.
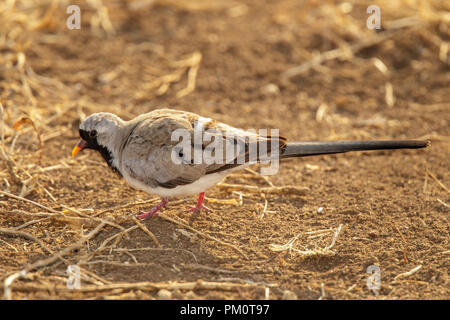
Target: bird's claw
<point x="153" y="212"/>
<point x="149" y="214"/>
<point x="198" y="208"/>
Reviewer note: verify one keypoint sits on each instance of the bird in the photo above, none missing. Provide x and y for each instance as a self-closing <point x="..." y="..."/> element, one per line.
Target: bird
<point x="145" y="153"/>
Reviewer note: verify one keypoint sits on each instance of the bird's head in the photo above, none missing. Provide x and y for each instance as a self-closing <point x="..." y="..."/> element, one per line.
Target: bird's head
<point x="98" y="132"/>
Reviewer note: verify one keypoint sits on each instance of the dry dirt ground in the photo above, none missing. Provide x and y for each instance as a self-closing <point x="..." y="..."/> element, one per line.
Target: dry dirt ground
<point x="310" y="68"/>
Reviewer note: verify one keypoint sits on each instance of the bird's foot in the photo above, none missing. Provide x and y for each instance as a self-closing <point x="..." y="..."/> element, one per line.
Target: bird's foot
<point x="200" y="204"/>
<point x="198" y="208"/>
<point x="154" y="211"/>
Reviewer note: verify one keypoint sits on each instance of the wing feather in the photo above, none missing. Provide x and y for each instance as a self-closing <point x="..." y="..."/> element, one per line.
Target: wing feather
<point x="147" y="153"/>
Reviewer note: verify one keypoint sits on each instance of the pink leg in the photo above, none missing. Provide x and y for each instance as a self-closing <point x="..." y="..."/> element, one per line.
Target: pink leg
<point x="154" y="210"/>
<point x="200" y="204"/>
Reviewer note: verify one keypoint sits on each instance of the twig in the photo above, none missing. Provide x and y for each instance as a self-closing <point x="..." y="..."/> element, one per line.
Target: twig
<point x="434" y="107"/>
<point x="145" y="229"/>
<point x="405" y="244"/>
<point x="265" y="178"/>
<point x="2" y="123"/>
<point x="144" y="265"/>
<point x="13" y="144"/>
<point x="337" y="53"/>
<point x="406" y="274"/>
<point x="319" y="231"/>
<point x="287" y="246"/>
<point x="26" y="120"/>
<point x="335" y="236"/>
<point x="93" y="275"/>
<point x="25" y="235"/>
<point x="146" y="286"/>
<point x="8" y="282"/>
<point x="192" y="75"/>
<point x="351" y="288"/>
<point x="319" y="251"/>
<point x="112" y="224"/>
<point x="268" y="190"/>
<point x="266" y="203"/>
<point x="437" y="180"/>
<point x="29" y="201"/>
<point x="158" y="249"/>
<point x="234" y="202"/>
<point x="60" y="254"/>
<point x="125" y="206"/>
<point x="443" y="203"/>
<point x="389" y="95"/>
<point x="322" y="292"/>
<point x="102" y="17"/>
<point x="57" y="216"/>
<point x="106" y="241"/>
<point x="26" y="224"/>
<point x="196" y="266"/>
<point x="425" y="182"/>
<point x="59" y="212"/>
<point x="132" y="257"/>
<point x="9" y="245"/>
<point x="47" y="19"/>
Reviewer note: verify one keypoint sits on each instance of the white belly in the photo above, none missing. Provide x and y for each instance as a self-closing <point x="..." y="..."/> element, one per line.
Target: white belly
<point x="195" y="187"/>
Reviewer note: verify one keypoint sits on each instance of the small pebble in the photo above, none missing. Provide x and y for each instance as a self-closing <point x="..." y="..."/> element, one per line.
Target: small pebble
<point x="270" y="89"/>
<point x="191" y="295"/>
<point x="289" y="295"/>
<point x="164" y="294"/>
<point x="320" y="210"/>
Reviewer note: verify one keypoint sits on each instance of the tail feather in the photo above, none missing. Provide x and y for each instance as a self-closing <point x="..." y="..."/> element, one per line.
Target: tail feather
<point x="304" y="149"/>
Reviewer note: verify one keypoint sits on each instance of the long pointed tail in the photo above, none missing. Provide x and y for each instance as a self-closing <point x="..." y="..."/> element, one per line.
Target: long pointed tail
<point x="304" y="149"/>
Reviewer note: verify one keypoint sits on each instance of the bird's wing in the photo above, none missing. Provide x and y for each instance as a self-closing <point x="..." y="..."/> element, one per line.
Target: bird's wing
<point x="148" y="153"/>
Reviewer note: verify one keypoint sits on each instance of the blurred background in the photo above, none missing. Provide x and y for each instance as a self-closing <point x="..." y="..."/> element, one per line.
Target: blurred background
<point x="273" y="60"/>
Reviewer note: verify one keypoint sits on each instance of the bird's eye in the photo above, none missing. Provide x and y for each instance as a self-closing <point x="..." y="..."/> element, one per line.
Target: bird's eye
<point x="181" y="154"/>
<point x="93" y="133"/>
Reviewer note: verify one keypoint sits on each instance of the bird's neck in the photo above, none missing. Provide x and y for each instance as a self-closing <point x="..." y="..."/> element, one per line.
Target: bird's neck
<point x="109" y="156"/>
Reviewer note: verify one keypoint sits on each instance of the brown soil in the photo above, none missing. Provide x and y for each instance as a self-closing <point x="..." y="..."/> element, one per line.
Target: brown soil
<point x="393" y="206"/>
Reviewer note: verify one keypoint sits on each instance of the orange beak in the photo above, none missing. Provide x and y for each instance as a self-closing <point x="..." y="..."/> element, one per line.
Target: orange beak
<point x="80" y="146"/>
